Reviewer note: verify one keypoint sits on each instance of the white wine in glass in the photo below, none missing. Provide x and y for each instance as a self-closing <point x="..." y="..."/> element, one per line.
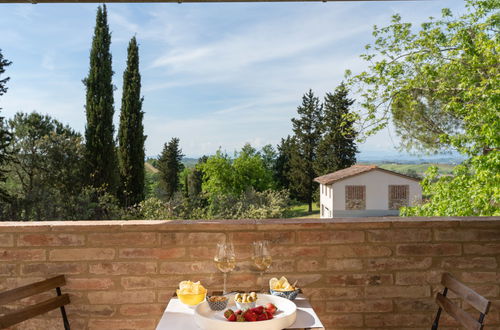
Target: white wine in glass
<point x="262" y="259"/>
<point x="225" y="260"/>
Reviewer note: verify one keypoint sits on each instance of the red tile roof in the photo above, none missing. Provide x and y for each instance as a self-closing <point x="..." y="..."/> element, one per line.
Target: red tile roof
<point x="355" y="170"/>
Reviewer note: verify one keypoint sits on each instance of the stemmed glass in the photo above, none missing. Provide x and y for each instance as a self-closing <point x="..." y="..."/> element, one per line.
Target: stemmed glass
<point x="262" y="259"/>
<point x="225" y="260"/>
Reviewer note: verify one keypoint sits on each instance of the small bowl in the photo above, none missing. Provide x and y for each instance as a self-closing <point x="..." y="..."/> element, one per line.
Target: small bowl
<point x="191" y="299"/>
<point x="290" y="295"/>
<point x="247" y="305"/>
<point x="217" y="305"/>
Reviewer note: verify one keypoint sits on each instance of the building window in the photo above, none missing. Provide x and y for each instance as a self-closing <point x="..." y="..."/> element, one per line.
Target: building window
<point x="355" y="197"/>
<point x="399" y="196"/>
<point x="322" y="210"/>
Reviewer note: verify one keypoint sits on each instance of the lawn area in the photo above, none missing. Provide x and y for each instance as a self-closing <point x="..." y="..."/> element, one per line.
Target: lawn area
<point x="300" y="211"/>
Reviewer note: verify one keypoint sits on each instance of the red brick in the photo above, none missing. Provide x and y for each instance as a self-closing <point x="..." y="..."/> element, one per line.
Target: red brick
<point x="335" y="321"/>
<point x="414" y="278"/>
<point x="208" y="252"/>
<point x="311" y="265"/>
<point x="123" y="268"/>
<point x="6" y="240"/>
<point x="333" y="293"/>
<point x="416" y="291"/>
<point x="84" y="310"/>
<point x="142" y="310"/>
<point x="81" y="254"/>
<point x="50" y="323"/>
<point x="187" y="267"/>
<point x="398" y="320"/>
<point x="121" y="297"/>
<point x="242" y="281"/>
<point x="442" y="249"/>
<point x="359" y="279"/>
<point x="359" y="251"/>
<point x="297" y="251"/>
<point x="202" y="238"/>
<point x="122" y="324"/>
<point x="344" y="264"/>
<point x="481" y="277"/>
<point x="137" y="282"/>
<point x="399" y="235"/>
<point x="50" y="240"/>
<point x="398" y="263"/>
<point x="22" y="255"/>
<point x="482" y="249"/>
<point x="47" y="269"/>
<point x="467" y="235"/>
<point x="85" y="284"/>
<point x="469" y="263"/>
<point x="330" y="237"/>
<point x="152" y="253"/>
<point x="413" y="305"/>
<point x="7" y="269"/>
<point x="275" y="237"/>
<point x="122" y="239"/>
<point x="365" y="306"/>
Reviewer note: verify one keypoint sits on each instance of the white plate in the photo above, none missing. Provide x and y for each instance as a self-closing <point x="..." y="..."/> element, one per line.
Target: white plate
<point x="284" y="317"/>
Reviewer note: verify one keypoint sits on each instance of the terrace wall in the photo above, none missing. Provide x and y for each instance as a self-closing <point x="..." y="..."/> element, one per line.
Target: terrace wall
<point x="376" y="273"/>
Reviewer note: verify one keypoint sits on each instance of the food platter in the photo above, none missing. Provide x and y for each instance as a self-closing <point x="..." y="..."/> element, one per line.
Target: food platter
<point x="285" y="316"/>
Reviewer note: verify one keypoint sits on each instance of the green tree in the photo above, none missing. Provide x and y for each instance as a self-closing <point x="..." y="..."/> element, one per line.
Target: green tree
<point x="307" y="130"/>
<point x="337" y="148"/>
<point x="100" y="153"/>
<point x="282" y="165"/>
<point x="45" y="172"/>
<point x="439" y="85"/>
<point x="170" y="166"/>
<point x="131" y="132"/>
<point x="5" y="136"/>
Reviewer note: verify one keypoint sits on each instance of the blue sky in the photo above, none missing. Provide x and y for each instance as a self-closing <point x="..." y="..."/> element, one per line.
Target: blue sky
<point x="214" y="75"/>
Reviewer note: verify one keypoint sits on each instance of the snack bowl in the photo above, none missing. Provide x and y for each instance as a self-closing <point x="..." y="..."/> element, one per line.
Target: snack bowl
<point x="290" y="295"/>
<point x="285" y="316"/>
<point x="191" y="299"/>
<point x="217" y="304"/>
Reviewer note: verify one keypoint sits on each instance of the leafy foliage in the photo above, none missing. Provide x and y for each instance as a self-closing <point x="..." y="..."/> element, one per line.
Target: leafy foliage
<point x="440" y="85"/>
<point x="170" y="166"/>
<point x="337" y="148"/>
<point x="100" y="153"/>
<point x="131" y="133"/>
<point x="5" y="136"/>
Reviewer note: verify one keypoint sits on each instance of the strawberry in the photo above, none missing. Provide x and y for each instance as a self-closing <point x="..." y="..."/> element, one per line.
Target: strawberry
<point x="250" y="316"/>
<point x="258" y="310"/>
<point x="269" y="315"/>
<point x="228" y="313"/>
<point x="262" y="317"/>
<point x="238" y="312"/>
<point x="271" y="308"/>
<point x="240" y="318"/>
<point x="232" y="317"/>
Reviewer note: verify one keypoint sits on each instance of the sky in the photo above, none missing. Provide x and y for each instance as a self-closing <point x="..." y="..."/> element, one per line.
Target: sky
<point x="215" y="75"/>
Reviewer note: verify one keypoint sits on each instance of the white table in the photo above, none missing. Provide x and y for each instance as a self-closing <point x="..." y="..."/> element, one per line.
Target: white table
<point x="178" y="316"/>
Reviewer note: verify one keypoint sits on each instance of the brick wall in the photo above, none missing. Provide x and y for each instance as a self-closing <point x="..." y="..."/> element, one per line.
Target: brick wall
<point x="376" y="273"/>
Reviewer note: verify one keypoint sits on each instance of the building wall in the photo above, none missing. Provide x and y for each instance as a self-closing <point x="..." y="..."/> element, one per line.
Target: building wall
<point x="377" y="191"/>
<point x="326" y="200"/>
<point x="371" y="273"/>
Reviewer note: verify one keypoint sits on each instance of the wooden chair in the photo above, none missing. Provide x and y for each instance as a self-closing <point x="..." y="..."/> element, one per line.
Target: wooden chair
<point x="25" y="313"/>
<point x="468" y="295"/>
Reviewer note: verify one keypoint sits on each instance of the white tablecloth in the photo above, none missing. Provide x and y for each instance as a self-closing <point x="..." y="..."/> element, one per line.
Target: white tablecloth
<point x="178" y="316"/>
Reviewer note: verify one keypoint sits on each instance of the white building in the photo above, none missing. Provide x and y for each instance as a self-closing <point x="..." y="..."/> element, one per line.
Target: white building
<point x="366" y="190"/>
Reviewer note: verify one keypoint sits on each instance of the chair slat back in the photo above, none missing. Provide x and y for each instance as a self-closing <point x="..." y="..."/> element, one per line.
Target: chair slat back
<point x="31" y="289"/>
<point x="457" y="313"/>
<point x="467" y="294"/>
<point x="32" y="311"/>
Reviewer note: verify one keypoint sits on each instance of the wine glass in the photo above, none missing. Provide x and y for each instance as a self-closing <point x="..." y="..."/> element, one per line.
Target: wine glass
<point x="225" y="260"/>
<point x="262" y="259"/>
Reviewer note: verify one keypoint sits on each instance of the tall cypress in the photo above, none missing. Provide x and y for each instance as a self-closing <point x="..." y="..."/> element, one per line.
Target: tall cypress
<point x="131" y="132"/>
<point x="100" y="153"/>
<point x="170" y="166"/>
<point x="337" y="148"/>
<point x="5" y="135"/>
<point x="307" y="130"/>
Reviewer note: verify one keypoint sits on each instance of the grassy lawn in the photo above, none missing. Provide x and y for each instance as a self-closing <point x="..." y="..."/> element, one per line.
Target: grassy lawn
<point x="300" y="211"/>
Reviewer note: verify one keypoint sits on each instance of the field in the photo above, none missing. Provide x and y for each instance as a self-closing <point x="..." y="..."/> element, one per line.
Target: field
<point x="300" y="211"/>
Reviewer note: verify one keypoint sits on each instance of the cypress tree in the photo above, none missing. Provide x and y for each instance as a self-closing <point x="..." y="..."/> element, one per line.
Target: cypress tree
<point x="307" y="130"/>
<point x="100" y="153"/>
<point x="337" y="148"/>
<point x="5" y="136"/>
<point x="131" y="132"/>
<point x="170" y="165"/>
